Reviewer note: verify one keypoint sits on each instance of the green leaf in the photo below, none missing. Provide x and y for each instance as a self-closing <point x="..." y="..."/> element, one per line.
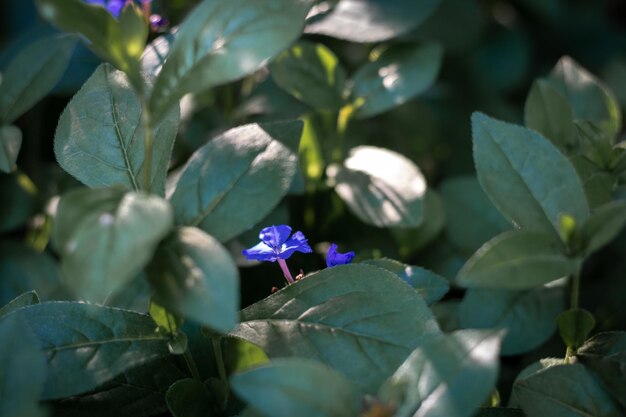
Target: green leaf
<point x="574" y="326"/>
<point x="548" y="112"/>
<point x="297" y="387"/>
<point x="604" y="224"/>
<point x="398" y="74"/>
<point x="22" y="300"/>
<point x="166" y="322"/>
<point x="354" y="318"/>
<point x="528" y="316"/>
<point x="87" y="345"/>
<point x="100" y="135"/>
<point x="119" y="42"/>
<point x="605" y="355"/>
<point x="240" y="355"/>
<point x="23" y="269"/>
<point x="237" y="178"/>
<point x="23" y="369"/>
<point x="189" y="398"/>
<point x="137" y="391"/>
<point x="517" y="260"/>
<point x="10" y="144"/>
<point x="525" y="176"/>
<point x="369" y="21"/>
<point x="32" y="74"/>
<point x="193" y="274"/>
<point x="589" y="98"/>
<point x="564" y="391"/>
<point x="105" y="236"/>
<point x="381" y="187"/>
<point x="450" y="375"/>
<point x="312" y="73"/>
<point x="471" y="218"/>
<point x="597" y="182"/>
<point x="430" y="286"/>
<point x="221" y="42"/>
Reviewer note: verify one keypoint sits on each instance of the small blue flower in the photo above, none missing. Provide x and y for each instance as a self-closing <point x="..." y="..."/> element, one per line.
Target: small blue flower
<point x="334" y="258"/>
<point x="113" y="6"/>
<point x="276" y="244"/>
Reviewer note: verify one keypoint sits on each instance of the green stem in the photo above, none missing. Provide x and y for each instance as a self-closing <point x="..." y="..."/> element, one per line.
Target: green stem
<point x="575" y="290"/>
<point x="191" y="364"/>
<point x="147" y="144"/>
<point x="575" y="294"/>
<point x="219" y="358"/>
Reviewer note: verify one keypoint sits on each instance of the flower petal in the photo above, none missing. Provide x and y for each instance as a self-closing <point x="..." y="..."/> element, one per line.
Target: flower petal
<point x="298" y="243"/>
<point x="260" y="252"/>
<point x="334" y="258"/>
<point x="275" y="236"/>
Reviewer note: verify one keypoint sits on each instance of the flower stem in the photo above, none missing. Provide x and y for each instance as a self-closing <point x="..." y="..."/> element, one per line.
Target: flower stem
<point x="286" y="273"/>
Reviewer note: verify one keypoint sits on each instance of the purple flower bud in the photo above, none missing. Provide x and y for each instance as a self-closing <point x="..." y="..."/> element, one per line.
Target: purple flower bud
<point x="158" y="22"/>
<point x="334" y="258"/>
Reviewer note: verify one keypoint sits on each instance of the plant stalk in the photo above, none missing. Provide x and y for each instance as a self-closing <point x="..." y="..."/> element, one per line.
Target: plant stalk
<point x="191" y="364"/>
<point x="219" y="359"/>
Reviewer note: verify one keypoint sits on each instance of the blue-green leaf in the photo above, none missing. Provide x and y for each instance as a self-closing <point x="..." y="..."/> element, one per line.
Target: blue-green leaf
<point x="297" y="387"/>
<point x="192" y="273"/>
<point x="564" y="391"/>
<point x="105" y="236"/>
<point x="517" y="260"/>
<point x="312" y="73"/>
<point x="100" y="135"/>
<point x="525" y="176"/>
<point x="427" y="284"/>
<point x="471" y="218"/>
<point x="87" y="345"/>
<point x="354" y="318"/>
<point x="223" y="41"/>
<point x="396" y="76"/>
<point x="589" y="98"/>
<point x="369" y="20"/>
<point x="32" y="74"/>
<point x="527" y="316"/>
<point x="381" y="187"/>
<point x="237" y="178"/>
<point x="450" y="375"/>
<point x="23" y="369"/>
<point x="22" y="300"/>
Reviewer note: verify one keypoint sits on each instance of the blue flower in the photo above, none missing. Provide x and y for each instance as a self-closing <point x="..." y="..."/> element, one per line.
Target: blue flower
<point x="276" y="244"/>
<point x="113" y="6"/>
<point x="334" y="258"/>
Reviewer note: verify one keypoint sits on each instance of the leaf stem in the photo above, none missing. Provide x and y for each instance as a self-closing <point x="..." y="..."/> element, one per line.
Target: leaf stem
<point x="191" y="364"/>
<point x="575" y="290"/>
<point x="575" y="294"/>
<point x="219" y="358"/>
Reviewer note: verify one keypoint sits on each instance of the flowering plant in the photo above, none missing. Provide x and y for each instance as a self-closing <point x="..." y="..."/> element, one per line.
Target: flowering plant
<point x="125" y="288"/>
